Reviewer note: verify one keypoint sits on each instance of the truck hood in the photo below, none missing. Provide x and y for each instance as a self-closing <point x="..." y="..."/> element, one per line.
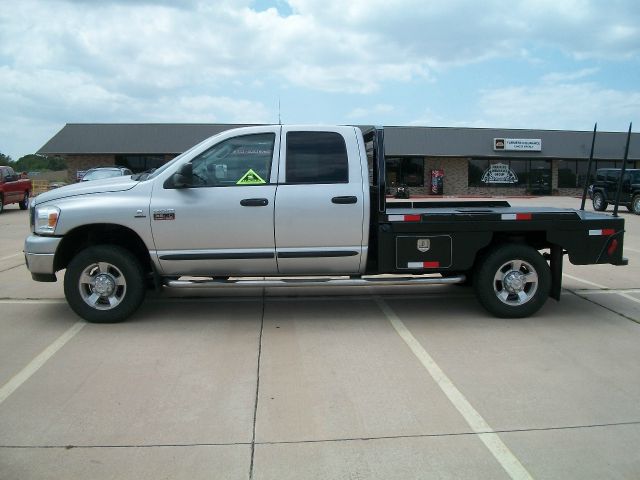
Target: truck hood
<point x="116" y="184"/>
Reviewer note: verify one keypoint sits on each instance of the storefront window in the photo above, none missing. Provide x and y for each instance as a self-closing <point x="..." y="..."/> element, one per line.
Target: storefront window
<point x="406" y="170"/>
<point x="510" y="172"/>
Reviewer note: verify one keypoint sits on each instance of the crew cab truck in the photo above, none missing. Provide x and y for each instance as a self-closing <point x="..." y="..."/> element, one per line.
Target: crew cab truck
<point x="13" y="189"/>
<point x="284" y="202"/>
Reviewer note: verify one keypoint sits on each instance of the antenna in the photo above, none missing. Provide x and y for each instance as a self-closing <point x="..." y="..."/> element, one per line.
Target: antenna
<point x="279" y="118"/>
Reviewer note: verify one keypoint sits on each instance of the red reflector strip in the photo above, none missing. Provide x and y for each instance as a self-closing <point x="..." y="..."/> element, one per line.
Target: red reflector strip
<point x="607" y="232"/>
<point x="423" y="265"/>
<point x="515" y="216"/>
<point x="404" y="218"/>
<point x="613" y="247"/>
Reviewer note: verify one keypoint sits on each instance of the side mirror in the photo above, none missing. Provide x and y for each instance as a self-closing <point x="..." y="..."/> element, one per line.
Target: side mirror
<point x="183" y="178"/>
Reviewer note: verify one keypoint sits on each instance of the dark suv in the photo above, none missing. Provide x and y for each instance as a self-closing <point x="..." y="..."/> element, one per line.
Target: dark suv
<point x="604" y="189"/>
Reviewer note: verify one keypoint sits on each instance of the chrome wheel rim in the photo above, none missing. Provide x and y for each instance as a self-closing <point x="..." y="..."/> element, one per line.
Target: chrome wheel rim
<point x="515" y="283"/>
<point x="102" y="286"/>
<point x="597" y="201"/>
<point x="636" y="205"/>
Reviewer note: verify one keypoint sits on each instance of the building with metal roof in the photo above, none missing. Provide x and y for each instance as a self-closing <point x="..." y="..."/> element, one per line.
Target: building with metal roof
<point x="453" y="161"/>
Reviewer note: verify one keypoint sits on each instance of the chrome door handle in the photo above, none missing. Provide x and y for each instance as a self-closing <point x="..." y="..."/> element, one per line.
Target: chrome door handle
<point x="254" y="202"/>
<point x="344" y="200"/>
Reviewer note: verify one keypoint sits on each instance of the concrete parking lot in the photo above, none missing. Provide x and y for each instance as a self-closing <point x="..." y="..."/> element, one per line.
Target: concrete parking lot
<point x="368" y="383"/>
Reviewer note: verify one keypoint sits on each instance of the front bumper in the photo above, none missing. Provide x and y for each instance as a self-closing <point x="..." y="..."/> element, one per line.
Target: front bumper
<point x="39" y="253"/>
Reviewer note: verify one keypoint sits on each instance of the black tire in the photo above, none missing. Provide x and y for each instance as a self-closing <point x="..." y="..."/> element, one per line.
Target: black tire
<point x="635" y="204"/>
<point x="24" y="203"/>
<point x="1" y="203"/>
<point x="104" y="284"/>
<point x="529" y="276"/>
<point x="599" y="203"/>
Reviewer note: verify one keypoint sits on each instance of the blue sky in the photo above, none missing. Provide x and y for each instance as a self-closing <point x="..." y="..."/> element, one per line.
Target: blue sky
<point x="509" y="64"/>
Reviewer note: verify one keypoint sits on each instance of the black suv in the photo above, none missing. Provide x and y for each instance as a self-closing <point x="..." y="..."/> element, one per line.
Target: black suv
<point x="604" y="189"/>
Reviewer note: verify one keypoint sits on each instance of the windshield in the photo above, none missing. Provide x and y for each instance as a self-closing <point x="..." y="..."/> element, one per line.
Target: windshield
<point x="100" y="174"/>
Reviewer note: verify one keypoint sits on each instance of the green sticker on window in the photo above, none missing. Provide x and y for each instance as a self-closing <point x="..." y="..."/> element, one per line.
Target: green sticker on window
<point x="251" y="178"/>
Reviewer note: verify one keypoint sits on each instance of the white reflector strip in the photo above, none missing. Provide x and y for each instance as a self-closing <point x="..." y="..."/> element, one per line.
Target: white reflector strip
<point x="396" y="218"/>
<point x="415" y="265"/>
<point x="595" y="232"/>
<point x="508" y="216"/>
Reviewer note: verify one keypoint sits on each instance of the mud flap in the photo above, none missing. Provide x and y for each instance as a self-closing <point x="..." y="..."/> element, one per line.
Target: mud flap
<point x="556" y="271"/>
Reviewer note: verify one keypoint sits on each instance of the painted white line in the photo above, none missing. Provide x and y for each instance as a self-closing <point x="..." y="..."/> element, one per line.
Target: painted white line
<point x="35" y="364"/>
<point x="607" y="292"/>
<point x="585" y="281"/>
<point x="632" y="249"/>
<point x="492" y="441"/>
<point x="629" y="297"/>
<point x="11" y="256"/>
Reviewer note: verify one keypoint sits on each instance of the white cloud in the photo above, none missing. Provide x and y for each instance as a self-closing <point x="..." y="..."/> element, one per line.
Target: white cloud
<point x="559" y="106"/>
<point x="191" y="60"/>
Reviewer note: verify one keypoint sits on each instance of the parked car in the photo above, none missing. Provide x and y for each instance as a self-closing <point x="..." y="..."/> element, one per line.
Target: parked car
<point x="100" y="173"/>
<point x="14" y="188"/>
<point x="604" y="189"/>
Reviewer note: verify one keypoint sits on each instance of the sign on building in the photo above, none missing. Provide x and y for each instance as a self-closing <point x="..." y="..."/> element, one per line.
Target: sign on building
<point x="517" y="144"/>
<point x="499" y="173"/>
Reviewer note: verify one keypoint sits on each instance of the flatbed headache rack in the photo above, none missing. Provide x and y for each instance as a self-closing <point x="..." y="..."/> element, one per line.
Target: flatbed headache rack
<point x="622" y="171"/>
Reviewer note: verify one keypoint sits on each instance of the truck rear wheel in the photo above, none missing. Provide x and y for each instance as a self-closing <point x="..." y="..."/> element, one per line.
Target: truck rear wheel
<point x="513" y="281"/>
<point x="599" y="203"/>
<point x="104" y="284"/>
<point x="1" y="203"/>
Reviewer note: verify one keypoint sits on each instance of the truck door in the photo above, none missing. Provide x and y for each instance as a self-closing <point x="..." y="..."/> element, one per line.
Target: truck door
<point x="223" y="223"/>
<point x="320" y="204"/>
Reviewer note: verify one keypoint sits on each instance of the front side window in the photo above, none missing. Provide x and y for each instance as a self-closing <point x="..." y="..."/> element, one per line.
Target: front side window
<point x="316" y="157"/>
<point x="237" y="161"/>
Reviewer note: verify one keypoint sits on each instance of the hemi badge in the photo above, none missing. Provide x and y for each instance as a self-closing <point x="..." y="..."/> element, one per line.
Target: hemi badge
<point x="604" y="232"/>
<point x="169" y="214"/>
<point x="405" y="218"/>
<point x="516" y="216"/>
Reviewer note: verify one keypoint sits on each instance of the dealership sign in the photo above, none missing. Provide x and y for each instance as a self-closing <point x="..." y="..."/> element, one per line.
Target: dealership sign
<point x="517" y="144"/>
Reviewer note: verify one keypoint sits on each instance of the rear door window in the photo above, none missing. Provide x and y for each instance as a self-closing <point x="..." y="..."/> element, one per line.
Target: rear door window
<point x="316" y="157"/>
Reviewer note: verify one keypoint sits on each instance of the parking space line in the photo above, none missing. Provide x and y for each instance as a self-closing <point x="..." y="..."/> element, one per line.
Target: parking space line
<point x="611" y="292"/>
<point x="11" y="256"/>
<point x="35" y="364"/>
<point x="632" y="249"/>
<point x="487" y="435"/>
<point x="585" y="281"/>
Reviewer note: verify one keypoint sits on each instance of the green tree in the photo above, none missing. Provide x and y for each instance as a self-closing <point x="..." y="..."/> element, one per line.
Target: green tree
<point x="33" y="162"/>
<point x="4" y="159"/>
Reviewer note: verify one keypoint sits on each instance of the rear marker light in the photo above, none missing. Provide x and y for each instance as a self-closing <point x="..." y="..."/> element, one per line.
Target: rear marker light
<point x="515" y="216"/>
<point x="405" y="218"/>
<point x="423" y="265"/>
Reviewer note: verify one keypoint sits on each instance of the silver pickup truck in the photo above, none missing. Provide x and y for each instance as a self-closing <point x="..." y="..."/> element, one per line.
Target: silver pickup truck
<point x="288" y="201"/>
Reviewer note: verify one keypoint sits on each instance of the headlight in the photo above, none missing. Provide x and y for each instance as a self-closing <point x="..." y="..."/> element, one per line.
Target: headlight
<point x="46" y="219"/>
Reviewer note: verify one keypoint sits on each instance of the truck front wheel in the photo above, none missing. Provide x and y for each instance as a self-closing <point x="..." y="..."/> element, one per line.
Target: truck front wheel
<point x="513" y="281"/>
<point x="635" y="204"/>
<point x="24" y="203"/>
<point x="104" y="284"/>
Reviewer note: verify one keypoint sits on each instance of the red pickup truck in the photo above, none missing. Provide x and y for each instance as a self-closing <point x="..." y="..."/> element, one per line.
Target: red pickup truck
<point x="13" y="189"/>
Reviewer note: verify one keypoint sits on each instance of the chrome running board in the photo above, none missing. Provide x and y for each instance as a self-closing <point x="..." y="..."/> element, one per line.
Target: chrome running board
<point x="315" y="282"/>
